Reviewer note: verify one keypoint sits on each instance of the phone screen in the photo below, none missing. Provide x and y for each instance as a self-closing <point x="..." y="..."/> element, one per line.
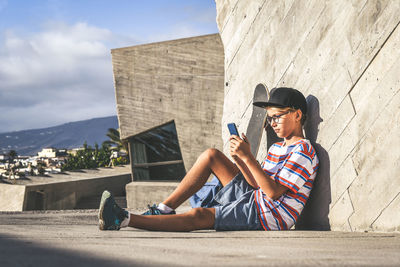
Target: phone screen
<point x="233" y="129"/>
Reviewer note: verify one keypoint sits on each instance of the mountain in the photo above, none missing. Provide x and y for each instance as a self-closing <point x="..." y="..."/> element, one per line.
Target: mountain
<point x="68" y="135"/>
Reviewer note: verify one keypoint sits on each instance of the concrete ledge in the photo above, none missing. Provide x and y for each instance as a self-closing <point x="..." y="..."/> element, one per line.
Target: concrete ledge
<point x="143" y="193"/>
<point x="12" y="197"/>
<point x="59" y="195"/>
<point x="65" y="195"/>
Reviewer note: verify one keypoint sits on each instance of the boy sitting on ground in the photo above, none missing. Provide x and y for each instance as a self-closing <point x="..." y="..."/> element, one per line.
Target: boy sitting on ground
<point x="253" y="197"/>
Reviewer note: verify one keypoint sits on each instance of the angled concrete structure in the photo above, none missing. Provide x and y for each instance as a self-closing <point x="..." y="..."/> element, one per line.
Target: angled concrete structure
<point x="178" y="82"/>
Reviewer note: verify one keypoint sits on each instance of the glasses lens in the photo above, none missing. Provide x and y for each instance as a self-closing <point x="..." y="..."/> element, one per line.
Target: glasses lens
<point x="276" y="118"/>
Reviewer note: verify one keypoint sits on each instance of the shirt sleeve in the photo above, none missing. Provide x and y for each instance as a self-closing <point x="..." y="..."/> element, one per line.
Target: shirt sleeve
<point x="296" y="170"/>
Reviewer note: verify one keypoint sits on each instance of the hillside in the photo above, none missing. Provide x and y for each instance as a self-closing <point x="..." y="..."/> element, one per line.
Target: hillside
<point x="68" y="135"/>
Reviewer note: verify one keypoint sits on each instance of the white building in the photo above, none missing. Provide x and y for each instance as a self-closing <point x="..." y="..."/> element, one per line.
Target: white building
<point x="49" y="152"/>
<point x="4" y="157"/>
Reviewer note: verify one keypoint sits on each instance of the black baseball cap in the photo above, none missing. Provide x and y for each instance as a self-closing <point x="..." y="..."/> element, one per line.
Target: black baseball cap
<point x="285" y="97"/>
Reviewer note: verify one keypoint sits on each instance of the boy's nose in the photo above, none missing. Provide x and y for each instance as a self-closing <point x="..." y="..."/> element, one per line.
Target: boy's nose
<point x="273" y="124"/>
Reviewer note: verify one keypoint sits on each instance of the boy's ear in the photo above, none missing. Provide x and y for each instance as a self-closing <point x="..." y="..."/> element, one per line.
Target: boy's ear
<point x="298" y="115"/>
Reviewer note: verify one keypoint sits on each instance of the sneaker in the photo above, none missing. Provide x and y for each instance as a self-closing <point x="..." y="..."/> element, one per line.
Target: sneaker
<point x="110" y="214"/>
<point x="153" y="210"/>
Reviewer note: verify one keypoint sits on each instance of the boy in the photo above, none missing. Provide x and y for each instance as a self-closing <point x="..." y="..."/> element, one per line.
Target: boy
<point x="253" y="197"/>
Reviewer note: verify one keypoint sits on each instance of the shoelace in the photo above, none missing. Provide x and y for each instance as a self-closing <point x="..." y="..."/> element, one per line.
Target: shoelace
<point x="153" y="209"/>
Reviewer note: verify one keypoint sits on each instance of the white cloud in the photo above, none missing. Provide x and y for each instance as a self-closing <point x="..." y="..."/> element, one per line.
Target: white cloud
<point x="61" y="74"/>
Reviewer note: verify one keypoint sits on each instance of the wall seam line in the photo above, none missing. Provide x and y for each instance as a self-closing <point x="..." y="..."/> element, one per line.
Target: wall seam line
<point x="361" y="139"/>
<point x="229" y="18"/>
<point x="245" y="36"/>
<point x="298" y="50"/>
<point x="352" y="206"/>
<point x="373" y="58"/>
<point x="237" y="50"/>
<point x="390" y="202"/>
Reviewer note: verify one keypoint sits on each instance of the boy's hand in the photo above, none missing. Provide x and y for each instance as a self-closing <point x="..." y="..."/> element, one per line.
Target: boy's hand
<point x="239" y="147"/>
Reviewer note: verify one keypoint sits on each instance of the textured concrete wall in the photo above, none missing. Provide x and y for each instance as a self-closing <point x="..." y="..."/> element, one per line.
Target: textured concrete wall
<point x="65" y="195"/>
<point x="58" y="196"/>
<point x="180" y="80"/>
<point x="345" y="57"/>
<point x="142" y="193"/>
<point x="12" y="197"/>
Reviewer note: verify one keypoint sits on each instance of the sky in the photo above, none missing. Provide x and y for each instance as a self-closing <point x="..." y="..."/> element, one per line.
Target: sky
<point x="55" y="60"/>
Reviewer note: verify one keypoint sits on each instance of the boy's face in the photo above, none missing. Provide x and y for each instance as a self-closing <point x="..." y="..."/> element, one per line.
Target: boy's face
<point x="284" y="121"/>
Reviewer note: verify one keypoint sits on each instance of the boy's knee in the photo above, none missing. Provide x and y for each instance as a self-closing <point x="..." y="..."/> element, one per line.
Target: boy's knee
<point x="202" y="218"/>
<point x="200" y="214"/>
<point x="196" y="213"/>
<point x="212" y="153"/>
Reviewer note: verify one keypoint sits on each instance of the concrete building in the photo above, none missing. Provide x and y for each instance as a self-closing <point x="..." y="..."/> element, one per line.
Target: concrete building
<point x="51" y="152"/>
<point x="4" y="157"/>
<point x="169" y="101"/>
<point x="345" y="58"/>
<point x="48" y="152"/>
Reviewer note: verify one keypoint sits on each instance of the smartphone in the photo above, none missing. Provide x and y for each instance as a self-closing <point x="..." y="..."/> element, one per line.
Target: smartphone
<point x="233" y="129"/>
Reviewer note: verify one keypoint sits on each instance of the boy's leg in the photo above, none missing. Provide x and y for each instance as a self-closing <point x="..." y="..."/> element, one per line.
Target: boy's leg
<point x="195" y="219"/>
<point x="210" y="161"/>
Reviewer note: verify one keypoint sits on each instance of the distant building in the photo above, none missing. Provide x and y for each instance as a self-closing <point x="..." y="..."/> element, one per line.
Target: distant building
<point x="49" y="152"/>
<point x="4" y="157"/>
<point x="74" y="151"/>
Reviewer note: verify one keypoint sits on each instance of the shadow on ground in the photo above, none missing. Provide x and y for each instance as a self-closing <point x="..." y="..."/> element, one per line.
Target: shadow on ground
<point x="19" y="252"/>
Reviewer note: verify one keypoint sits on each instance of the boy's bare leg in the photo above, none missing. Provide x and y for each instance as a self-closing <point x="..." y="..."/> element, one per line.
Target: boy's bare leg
<point x="210" y="161"/>
<point x="195" y="219"/>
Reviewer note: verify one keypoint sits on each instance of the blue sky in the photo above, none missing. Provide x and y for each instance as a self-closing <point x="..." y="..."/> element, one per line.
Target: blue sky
<point x="55" y="62"/>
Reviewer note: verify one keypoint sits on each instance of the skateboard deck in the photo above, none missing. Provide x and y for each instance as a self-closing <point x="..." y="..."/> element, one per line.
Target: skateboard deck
<point x="256" y="124"/>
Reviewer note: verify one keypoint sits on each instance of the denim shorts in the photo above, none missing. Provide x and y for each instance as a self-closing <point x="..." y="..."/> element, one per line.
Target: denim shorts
<point x="236" y="208"/>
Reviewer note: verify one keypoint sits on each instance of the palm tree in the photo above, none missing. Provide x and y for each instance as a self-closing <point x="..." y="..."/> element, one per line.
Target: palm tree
<point x="115" y="140"/>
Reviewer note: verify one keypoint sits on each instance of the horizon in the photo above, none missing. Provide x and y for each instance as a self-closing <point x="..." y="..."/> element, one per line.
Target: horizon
<point x="67" y="135"/>
<point x="57" y="125"/>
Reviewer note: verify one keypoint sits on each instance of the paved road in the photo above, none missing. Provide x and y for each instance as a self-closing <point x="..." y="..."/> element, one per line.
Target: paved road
<point x="69" y="238"/>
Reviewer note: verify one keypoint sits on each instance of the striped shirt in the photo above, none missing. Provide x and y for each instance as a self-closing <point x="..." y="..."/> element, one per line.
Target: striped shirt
<point x="295" y="167"/>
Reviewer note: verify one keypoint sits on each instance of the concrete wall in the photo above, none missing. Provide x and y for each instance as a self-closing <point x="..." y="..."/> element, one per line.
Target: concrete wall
<point x="180" y="80"/>
<point x="59" y="196"/>
<point x="66" y="195"/>
<point x="143" y="193"/>
<point x="345" y="58"/>
<point x="12" y="197"/>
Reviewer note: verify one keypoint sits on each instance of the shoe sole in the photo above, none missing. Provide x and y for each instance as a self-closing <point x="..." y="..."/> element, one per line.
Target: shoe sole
<point x="104" y="198"/>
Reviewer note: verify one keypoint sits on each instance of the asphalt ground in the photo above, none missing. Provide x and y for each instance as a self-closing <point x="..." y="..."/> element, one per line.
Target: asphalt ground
<point x="72" y="238"/>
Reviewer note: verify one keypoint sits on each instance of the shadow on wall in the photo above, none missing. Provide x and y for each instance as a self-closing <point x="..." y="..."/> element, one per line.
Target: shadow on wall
<point x="315" y="213"/>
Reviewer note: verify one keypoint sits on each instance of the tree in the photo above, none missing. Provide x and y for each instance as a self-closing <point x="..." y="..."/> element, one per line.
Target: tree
<point x="89" y="157"/>
<point x="12" y="154"/>
<point x="115" y="140"/>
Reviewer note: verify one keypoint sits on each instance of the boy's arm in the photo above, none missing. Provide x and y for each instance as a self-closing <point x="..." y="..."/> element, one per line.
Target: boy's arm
<point x="246" y="172"/>
<point x="252" y="170"/>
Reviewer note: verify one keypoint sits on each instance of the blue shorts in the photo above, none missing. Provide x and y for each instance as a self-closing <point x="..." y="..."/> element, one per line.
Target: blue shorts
<point x="235" y="208"/>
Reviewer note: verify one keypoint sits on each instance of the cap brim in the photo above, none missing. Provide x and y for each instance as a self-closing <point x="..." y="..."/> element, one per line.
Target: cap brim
<point x="260" y="104"/>
<point x="263" y="104"/>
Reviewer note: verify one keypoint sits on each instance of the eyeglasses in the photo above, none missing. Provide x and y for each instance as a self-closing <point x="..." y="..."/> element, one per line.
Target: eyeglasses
<point x="275" y="118"/>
